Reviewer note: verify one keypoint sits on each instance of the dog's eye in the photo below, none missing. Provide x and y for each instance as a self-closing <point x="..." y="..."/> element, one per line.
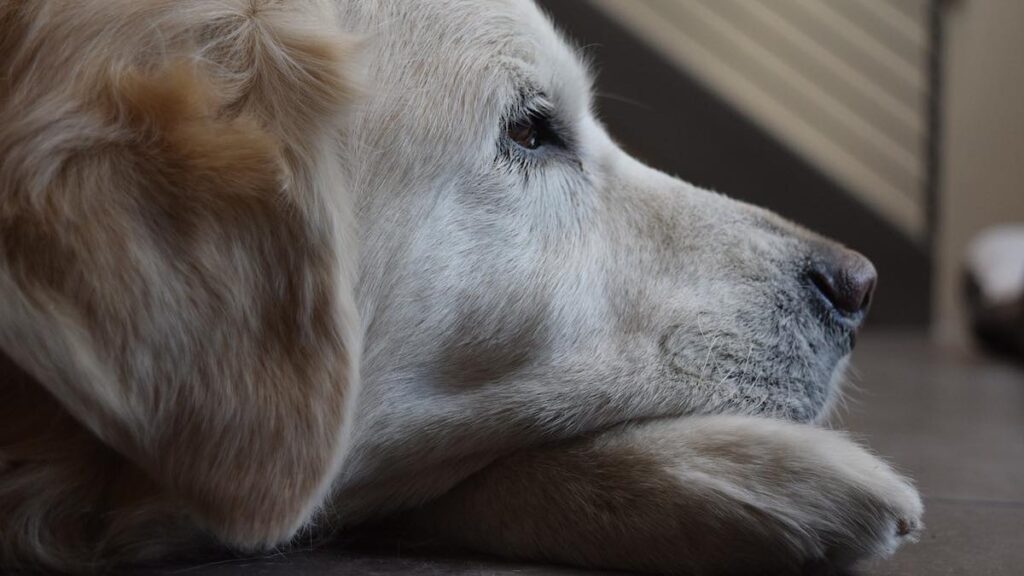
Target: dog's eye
<point x="524" y="133"/>
<point x="532" y="131"/>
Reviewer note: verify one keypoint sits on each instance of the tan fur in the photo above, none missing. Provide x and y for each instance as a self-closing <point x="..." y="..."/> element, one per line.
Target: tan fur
<point x="702" y="495"/>
<point x="174" y="271"/>
<point x="57" y="480"/>
<point x="181" y="352"/>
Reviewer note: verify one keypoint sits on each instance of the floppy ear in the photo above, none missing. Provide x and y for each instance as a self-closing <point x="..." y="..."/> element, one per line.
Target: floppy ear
<point x="176" y="250"/>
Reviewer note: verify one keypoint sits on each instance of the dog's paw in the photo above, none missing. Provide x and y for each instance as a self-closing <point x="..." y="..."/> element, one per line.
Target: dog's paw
<point x="831" y="501"/>
<point x="789" y="496"/>
<point x="708" y="495"/>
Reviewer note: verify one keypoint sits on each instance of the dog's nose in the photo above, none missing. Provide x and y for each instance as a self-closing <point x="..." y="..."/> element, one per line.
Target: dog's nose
<point x="846" y="278"/>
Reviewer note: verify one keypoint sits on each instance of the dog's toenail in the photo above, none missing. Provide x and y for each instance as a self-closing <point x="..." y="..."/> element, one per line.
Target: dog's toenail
<point x="902" y="527"/>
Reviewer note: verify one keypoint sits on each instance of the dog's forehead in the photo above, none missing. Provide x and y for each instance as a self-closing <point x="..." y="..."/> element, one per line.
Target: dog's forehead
<point x="484" y="45"/>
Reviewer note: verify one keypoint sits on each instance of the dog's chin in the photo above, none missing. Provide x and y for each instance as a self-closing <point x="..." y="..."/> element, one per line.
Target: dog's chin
<point x="815" y="399"/>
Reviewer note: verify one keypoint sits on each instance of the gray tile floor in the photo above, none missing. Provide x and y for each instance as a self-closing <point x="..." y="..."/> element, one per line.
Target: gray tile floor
<point x="953" y="422"/>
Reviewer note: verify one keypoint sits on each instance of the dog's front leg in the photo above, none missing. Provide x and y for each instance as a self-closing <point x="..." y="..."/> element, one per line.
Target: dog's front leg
<point x="701" y="495"/>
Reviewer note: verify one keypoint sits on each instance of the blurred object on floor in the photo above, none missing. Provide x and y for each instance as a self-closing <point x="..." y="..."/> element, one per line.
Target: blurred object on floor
<point x="994" y="289"/>
<point x="982" y="139"/>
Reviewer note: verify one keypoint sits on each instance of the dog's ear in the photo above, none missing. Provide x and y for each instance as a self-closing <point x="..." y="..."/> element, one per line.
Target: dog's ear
<point x="177" y="256"/>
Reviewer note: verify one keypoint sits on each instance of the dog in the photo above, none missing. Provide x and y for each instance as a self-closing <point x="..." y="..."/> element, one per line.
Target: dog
<point x="278" y="267"/>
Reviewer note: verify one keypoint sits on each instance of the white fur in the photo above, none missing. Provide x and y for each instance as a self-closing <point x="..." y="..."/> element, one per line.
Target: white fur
<point x="516" y="317"/>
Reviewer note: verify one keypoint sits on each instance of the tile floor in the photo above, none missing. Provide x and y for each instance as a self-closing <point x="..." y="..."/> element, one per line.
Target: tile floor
<point x="953" y="422"/>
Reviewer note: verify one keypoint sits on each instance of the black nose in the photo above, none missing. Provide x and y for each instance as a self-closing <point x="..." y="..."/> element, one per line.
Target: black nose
<point x="846" y="279"/>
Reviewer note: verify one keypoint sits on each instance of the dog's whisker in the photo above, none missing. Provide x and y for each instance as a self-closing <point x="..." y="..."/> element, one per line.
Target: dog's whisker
<point x="624" y="99"/>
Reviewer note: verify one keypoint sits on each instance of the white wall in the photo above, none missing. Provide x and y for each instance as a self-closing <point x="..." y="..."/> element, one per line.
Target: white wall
<point x="983" y="157"/>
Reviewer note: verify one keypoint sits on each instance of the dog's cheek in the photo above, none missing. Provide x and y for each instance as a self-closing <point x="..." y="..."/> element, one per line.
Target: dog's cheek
<point x="490" y="344"/>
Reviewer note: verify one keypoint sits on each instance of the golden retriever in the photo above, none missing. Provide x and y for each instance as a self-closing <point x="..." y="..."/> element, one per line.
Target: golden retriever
<point x="273" y="265"/>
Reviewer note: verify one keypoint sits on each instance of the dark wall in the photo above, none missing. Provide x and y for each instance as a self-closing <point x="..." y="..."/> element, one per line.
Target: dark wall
<point x="664" y="117"/>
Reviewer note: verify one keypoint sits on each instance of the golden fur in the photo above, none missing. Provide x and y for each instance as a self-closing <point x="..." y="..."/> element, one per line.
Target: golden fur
<point x="174" y="271"/>
<point x="547" y="343"/>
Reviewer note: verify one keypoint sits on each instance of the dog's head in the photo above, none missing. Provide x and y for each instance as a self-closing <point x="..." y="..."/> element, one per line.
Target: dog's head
<point x="177" y="255"/>
<point x="522" y="276"/>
